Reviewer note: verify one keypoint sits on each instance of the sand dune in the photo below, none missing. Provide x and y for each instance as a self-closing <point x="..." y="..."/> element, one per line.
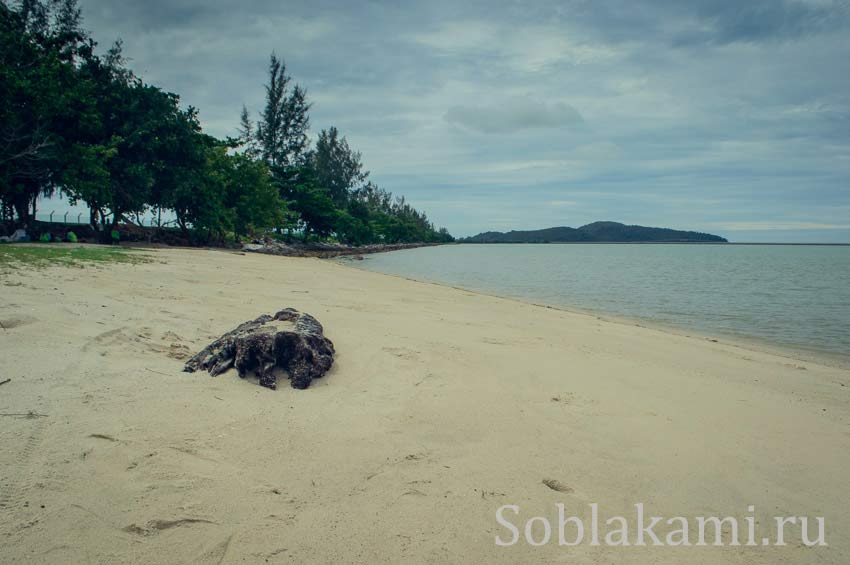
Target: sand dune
<point x="442" y="406"/>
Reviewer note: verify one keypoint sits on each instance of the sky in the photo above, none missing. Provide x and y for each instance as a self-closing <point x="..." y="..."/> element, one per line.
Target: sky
<point x="725" y="116"/>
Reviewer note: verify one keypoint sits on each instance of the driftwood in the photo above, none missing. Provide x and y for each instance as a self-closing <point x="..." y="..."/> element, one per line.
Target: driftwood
<point x="289" y="340"/>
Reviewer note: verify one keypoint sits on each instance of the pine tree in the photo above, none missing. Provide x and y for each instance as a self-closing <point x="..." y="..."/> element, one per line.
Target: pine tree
<point x="296" y="123"/>
<point x="338" y="167"/>
<point x="282" y="131"/>
<point x="67" y="27"/>
<point x="246" y="138"/>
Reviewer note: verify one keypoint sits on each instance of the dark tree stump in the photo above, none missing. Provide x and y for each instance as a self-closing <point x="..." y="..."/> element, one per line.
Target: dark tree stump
<point x="290" y="340"/>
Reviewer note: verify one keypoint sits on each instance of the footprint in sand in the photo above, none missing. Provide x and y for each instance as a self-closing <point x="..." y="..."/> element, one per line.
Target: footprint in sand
<point x="413" y="492"/>
<point x="110" y="337"/>
<point x="140" y="341"/>
<point x="14" y="484"/>
<point x="171" y="336"/>
<point x="403" y="352"/>
<point x="217" y="553"/>
<point x="11" y="323"/>
<point x="155" y="526"/>
<point x="567" y="398"/>
<point x="179" y="351"/>
<point x="557" y="485"/>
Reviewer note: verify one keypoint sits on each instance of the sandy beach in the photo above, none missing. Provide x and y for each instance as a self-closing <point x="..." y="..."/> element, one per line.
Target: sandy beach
<point x="442" y="406"/>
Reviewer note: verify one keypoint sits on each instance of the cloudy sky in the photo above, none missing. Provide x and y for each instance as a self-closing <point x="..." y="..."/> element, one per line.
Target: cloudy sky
<point x="728" y="116"/>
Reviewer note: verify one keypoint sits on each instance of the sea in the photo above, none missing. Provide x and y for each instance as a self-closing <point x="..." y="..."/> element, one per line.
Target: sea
<point x="791" y="296"/>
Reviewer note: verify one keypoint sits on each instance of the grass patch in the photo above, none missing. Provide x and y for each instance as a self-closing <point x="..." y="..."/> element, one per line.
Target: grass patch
<point x="36" y="255"/>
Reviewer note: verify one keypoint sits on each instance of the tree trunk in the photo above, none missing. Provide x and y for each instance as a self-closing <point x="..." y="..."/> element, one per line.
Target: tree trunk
<point x="22" y="210"/>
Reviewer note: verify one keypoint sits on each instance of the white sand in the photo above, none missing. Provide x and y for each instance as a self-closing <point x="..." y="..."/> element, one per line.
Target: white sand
<point x="442" y="406"/>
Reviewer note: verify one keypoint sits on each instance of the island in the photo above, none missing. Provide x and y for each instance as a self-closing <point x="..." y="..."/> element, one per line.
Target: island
<point x="597" y="232"/>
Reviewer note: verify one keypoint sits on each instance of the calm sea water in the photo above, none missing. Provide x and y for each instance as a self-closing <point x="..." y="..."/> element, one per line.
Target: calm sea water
<point x="793" y="296"/>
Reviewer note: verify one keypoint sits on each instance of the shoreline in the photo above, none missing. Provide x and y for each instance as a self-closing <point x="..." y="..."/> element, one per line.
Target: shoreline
<point x="742" y="341"/>
<point x="328" y="250"/>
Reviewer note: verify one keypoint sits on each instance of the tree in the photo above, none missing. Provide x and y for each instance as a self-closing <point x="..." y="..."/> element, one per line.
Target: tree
<point x="296" y="123"/>
<point x="68" y="34"/>
<point x="132" y="143"/>
<point x="246" y="134"/>
<point x="310" y="201"/>
<point x="325" y="186"/>
<point x="31" y="80"/>
<point x="251" y="195"/>
<point x="199" y="201"/>
<point x="338" y="168"/>
<point x="181" y="157"/>
<point x="282" y="131"/>
<point x="82" y="123"/>
<point x="35" y="17"/>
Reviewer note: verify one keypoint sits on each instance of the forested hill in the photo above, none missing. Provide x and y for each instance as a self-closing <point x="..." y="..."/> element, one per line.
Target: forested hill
<point x="601" y="232"/>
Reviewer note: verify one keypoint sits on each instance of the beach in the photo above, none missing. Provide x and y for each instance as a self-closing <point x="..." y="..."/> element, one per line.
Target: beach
<point x="442" y="406"/>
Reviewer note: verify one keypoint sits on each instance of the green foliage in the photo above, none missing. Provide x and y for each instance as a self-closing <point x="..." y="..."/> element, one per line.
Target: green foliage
<point x="312" y="202"/>
<point x="595" y="232"/>
<point x="198" y="199"/>
<point x="83" y="123"/>
<point x="337" y="166"/>
<point x="231" y="193"/>
<point x="41" y="256"/>
<point x="36" y="78"/>
<point x="282" y="130"/>
<point x="250" y="194"/>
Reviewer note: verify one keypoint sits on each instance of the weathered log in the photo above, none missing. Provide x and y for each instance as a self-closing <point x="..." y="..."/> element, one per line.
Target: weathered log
<point x="289" y="340"/>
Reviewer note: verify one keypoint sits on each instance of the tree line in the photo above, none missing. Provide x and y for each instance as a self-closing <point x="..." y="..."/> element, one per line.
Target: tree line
<point x="81" y="123"/>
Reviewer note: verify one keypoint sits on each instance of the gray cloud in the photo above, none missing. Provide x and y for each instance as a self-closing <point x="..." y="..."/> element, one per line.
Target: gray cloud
<point x="712" y="113"/>
<point x="513" y="115"/>
<point x="731" y="20"/>
<point x="708" y="22"/>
